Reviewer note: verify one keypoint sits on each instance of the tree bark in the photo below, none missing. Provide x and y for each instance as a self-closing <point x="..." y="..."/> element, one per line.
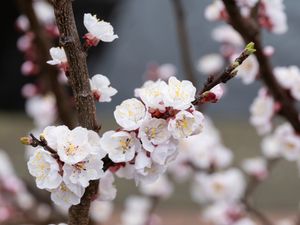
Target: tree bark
<point x="79" y="81"/>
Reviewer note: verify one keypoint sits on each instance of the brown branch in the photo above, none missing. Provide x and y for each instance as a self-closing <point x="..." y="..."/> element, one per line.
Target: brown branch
<point x="183" y="39"/>
<point x="252" y="185"/>
<point x="228" y="73"/>
<point x="49" y="73"/>
<point x="79" y="81"/>
<point x="250" y="31"/>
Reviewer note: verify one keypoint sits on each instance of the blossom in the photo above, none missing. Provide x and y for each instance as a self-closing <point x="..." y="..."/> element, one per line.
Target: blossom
<point x="98" y="30"/>
<point x="136" y="211"/>
<point x="248" y="70"/>
<point x="101" y="211"/>
<point x="165" y="153"/>
<point x="107" y="190"/>
<point x="42" y="109"/>
<point x="210" y="64"/>
<point x="223" y="213"/>
<point x="256" y="167"/>
<point x="64" y="196"/>
<point x="213" y="95"/>
<point x="44" y="11"/>
<point x="82" y="172"/>
<point x="120" y="146"/>
<point x="227" y="35"/>
<point x="289" y="142"/>
<point x="130" y="114"/>
<point x="228" y="185"/>
<point x="273" y="16"/>
<point x="101" y="89"/>
<point x="289" y="78"/>
<point x="147" y="171"/>
<point x="262" y="110"/>
<point x="152" y="94"/>
<point x="161" y="188"/>
<point x="59" y="57"/>
<point x="186" y="124"/>
<point x="270" y="147"/>
<point x="153" y="132"/>
<point x="214" y="11"/>
<point x="73" y="145"/>
<point x="179" y="94"/>
<point x="45" y="169"/>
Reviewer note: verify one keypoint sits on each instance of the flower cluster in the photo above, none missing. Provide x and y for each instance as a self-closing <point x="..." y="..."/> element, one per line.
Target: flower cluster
<point x="262" y="110"/>
<point x="284" y="142"/>
<point x="151" y="128"/>
<point x="271" y="14"/>
<point x="75" y="159"/>
<point x="289" y="79"/>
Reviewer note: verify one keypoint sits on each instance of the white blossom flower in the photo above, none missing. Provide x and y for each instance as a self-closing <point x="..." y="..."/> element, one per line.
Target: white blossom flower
<point x="42" y="109"/>
<point x="179" y="94"/>
<point x="248" y="70"/>
<point x="73" y="145"/>
<point x="101" y="211"/>
<point x="107" y="190"/>
<point x="152" y="94"/>
<point x="256" y="167"/>
<point x="45" y="169"/>
<point x="210" y="64"/>
<point x="136" y="211"/>
<point x="221" y="213"/>
<point x="66" y="197"/>
<point x="214" y="11"/>
<point x="127" y="171"/>
<point x="161" y="188"/>
<point x="165" y="71"/>
<point x="59" y="57"/>
<point x="130" y="114"/>
<point x="289" y="78"/>
<point x="227" y="35"/>
<point x="228" y="185"/>
<point x="147" y="171"/>
<point x="270" y="147"/>
<point x="100" y="86"/>
<point x="245" y="221"/>
<point x="289" y="142"/>
<point x="165" y="153"/>
<point x="276" y="20"/>
<point x="82" y="172"/>
<point x="44" y="11"/>
<point x="153" y="132"/>
<point x="52" y="134"/>
<point x="121" y="146"/>
<point x="262" y="111"/>
<point x="186" y="124"/>
<point x="98" y="30"/>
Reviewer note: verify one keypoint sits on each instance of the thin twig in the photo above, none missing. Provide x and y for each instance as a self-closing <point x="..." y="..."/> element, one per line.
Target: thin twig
<point x="250" y="31"/>
<point x="228" y="73"/>
<point x="183" y="39"/>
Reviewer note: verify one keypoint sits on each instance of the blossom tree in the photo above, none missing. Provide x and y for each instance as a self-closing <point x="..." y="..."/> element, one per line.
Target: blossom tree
<point x="162" y="132"/>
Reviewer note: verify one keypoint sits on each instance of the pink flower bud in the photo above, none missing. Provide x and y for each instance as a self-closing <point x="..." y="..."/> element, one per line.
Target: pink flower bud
<point x="29" y="68"/>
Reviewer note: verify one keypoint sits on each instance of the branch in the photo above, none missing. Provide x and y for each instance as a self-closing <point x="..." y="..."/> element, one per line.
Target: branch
<point x="249" y="30"/>
<point x="252" y="185"/>
<point x="49" y="73"/>
<point x="228" y="73"/>
<point x="184" y="41"/>
<point x="79" y="81"/>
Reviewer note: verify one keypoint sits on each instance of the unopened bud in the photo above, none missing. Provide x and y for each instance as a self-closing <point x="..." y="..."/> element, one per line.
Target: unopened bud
<point x="250" y="48"/>
<point x="26" y="140"/>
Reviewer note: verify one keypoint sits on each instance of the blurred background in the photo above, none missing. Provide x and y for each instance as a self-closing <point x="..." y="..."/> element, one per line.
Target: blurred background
<point x="147" y="33"/>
